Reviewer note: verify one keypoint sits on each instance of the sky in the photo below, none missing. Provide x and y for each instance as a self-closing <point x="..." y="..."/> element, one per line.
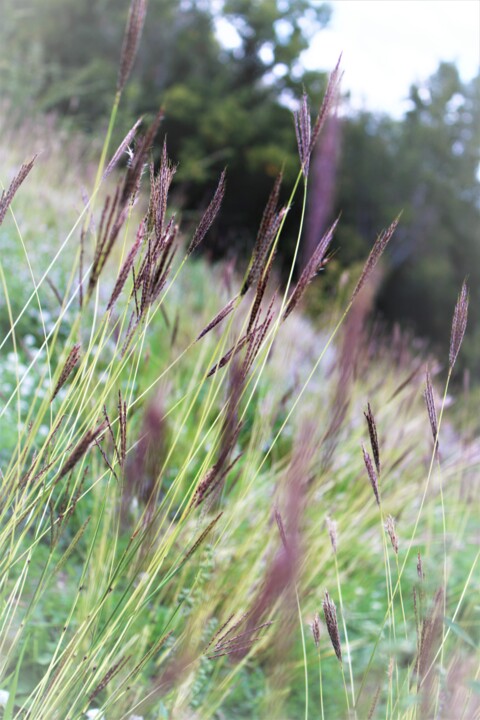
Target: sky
<point x="387" y="45"/>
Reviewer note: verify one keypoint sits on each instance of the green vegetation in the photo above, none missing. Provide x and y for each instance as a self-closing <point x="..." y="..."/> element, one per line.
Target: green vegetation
<point x="229" y="107"/>
<point x="179" y="495"/>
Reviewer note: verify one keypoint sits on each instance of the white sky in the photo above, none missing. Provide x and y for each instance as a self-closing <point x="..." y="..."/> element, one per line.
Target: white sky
<point x="389" y="44"/>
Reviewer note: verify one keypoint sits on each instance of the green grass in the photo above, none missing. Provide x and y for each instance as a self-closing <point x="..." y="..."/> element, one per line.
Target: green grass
<point x="110" y="601"/>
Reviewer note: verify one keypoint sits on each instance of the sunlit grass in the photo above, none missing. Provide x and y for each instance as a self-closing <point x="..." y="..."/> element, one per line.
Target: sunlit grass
<point x="169" y="561"/>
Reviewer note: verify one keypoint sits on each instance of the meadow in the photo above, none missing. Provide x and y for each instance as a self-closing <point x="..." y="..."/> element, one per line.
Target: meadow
<point x="212" y="505"/>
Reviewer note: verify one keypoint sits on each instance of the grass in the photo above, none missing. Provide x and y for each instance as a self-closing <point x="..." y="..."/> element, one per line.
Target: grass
<point x="163" y="528"/>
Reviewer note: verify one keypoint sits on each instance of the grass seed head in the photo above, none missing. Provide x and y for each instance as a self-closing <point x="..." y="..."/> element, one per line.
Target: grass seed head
<point x="430" y="403"/>
<point x="312" y="268"/>
<point x="372" y="431"/>
<point x="7" y="195"/>
<point x="330" y="612"/>
<point x="70" y="363"/>
<point x="316" y="629"/>
<point x="376" y="252"/>
<point x="126" y="267"/>
<point x="303" y="132"/>
<point x="218" y="317"/>
<point x="371" y="474"/>
<point x="122" y="148"/>
<point x="209" y="215"/>
<point x="81" y="448"/>
<point x="131" y="40"/>
<point x="332" y="531"/>
<point x="420" y="573"/>
<point x="459" y="325"/>
<point x="329" y="100"/>
<point x="390" y="528"/>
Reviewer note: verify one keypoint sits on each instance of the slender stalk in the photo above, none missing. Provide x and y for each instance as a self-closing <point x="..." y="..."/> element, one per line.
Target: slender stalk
<point x="320" y="682"/>
<point x="304" y="650"/>
<point x="344" y="624"/>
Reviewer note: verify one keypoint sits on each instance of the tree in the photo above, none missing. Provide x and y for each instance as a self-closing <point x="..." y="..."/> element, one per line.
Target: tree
<point x="438" y="177"/>
<point x="223" y="106"/>
<point x="426" y="165"/>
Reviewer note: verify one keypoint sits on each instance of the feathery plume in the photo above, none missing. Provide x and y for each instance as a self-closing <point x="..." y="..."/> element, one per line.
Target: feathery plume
<point x="430" y="403"/>
<point x="256" y="338"/>
<point x="136" y="167"/>
<point x="390" y="528"/>
<point x="420" y="573"/>
<point x="220" y="631"/>
<point x="219" y="317"/>
<point x="329" y="99"/>
<point x="232" y="352"/>
<point x="372" y="431"/>
<point x="312" y="268"/>
<point x="238" y="644"/>
<point x="332" y="531"/>
<point x="330" y="612"/>
<point x="131" y="40"/>
<point x="459" y="325"/>
<point x="209" y="215"/>
<point x="81" y="448"/>
<point x="222" y="635"/>
<point x="213" y="479"/>
<point x="269" y="226"/>
<point x="160" y="186"/>
<point x="303" y="131"/>
<point x="122" y="148"/>
<point x="259" y="294"/>
<point x="127" y="266"/>
<point x="371" y="474"/>
<point x="375" y="253"/>
<point x="70" y="363"/>
<point x="316" y="629"/>
<point x="201" y="538"/>
<point x="108" y="676"/>
<point x="7" y="195"/>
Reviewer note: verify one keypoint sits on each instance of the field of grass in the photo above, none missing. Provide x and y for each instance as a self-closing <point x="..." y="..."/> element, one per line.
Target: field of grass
<point x="190" y="526"/>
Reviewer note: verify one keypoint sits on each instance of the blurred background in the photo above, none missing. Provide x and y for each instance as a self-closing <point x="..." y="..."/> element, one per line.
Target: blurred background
<point x="228" y="73"/>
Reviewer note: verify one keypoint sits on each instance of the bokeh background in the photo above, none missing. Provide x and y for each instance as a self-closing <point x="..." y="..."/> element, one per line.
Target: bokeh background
<point x="141" y="568"/>
<point x="228" y="74"/>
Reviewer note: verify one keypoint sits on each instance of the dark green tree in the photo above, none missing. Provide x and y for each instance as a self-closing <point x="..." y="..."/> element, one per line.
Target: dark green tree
<point x="223" y="106"/>
<point x="428" y="166"/>
<point x="439" y="183"/>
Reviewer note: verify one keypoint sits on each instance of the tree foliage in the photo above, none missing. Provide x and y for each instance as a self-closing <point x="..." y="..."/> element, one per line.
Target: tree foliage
<point x="428" y="166"/>
<point x="230" y="106"/>
<point x="223" y="106"/>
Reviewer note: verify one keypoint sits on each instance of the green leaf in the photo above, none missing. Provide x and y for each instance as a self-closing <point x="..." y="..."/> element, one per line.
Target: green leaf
<point x="459" y="632"/>
<point x="8" y="714"/>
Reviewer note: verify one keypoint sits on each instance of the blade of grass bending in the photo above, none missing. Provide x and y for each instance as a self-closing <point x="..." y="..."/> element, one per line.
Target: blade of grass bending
<point x="454" y="616"/>
<point x="30" y="270"/>
<point x="411" y="541"/>
<point x="9" y="707"/>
